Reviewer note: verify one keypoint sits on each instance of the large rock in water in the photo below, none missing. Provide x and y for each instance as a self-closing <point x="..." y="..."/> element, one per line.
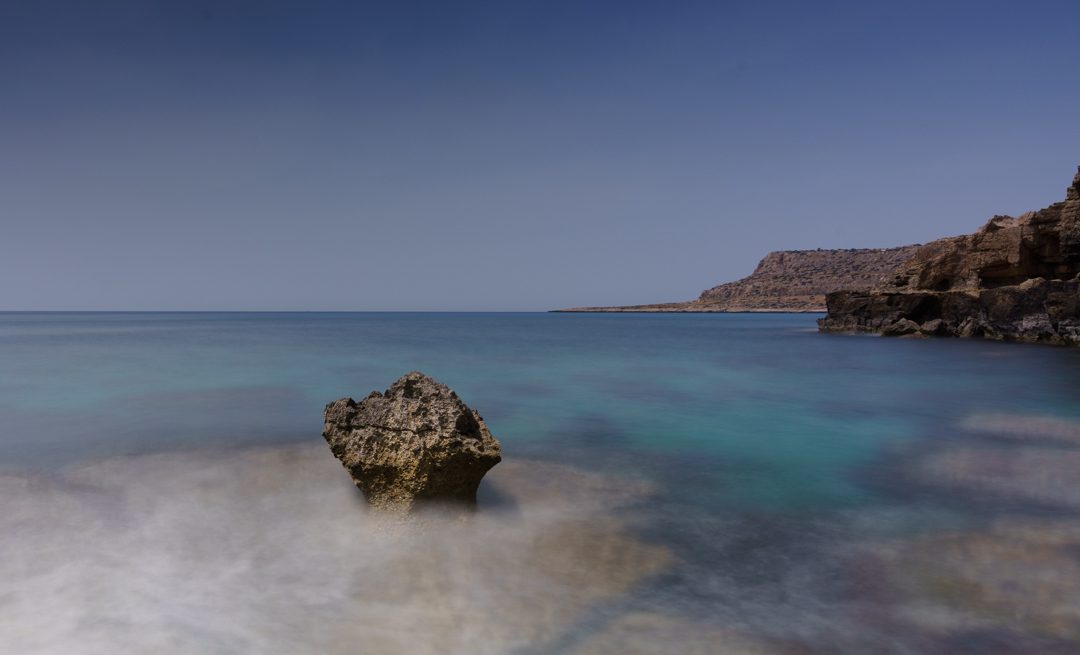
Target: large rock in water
<point x="417" y="441"/>
<point x="1015" y="279"/>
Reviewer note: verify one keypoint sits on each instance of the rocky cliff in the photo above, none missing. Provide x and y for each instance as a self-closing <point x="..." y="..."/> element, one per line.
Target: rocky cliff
<point x="789" y="281"/>
<point x="1014" y="279"/>
<point x="797" y="280"/>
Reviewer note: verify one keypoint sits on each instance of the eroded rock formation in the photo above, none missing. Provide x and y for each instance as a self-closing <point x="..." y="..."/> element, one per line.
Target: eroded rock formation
<point x="799" y="279"/>
<point x="1014" y="279"/>
<point x="417" y="441"/>
<point x="789" y="281"/>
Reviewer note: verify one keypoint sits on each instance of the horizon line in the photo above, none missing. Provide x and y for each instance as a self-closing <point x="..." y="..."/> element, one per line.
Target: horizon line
<point x="275" y="311"/>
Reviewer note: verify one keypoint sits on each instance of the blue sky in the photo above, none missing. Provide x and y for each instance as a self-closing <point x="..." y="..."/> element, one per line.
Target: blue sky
<point x="505" y="155"/>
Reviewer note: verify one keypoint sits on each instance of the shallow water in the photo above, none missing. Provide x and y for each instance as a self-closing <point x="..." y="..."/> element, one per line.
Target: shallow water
<point x="729" y="483"/>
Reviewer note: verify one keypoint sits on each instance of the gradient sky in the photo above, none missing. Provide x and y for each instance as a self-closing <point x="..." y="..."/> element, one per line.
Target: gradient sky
<point x="505" y="155"/>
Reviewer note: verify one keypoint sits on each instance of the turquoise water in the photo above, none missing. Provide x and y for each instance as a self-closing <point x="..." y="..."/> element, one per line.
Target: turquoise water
<point x="792" y="412"/>
<point x="773" y="451"/>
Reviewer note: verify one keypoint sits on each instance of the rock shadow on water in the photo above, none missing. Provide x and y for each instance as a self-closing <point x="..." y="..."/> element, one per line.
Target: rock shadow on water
<point x="494" y="499"/>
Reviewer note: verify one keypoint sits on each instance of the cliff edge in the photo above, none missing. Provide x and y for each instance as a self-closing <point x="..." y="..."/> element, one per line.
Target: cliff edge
<point x="1015" y="279"/>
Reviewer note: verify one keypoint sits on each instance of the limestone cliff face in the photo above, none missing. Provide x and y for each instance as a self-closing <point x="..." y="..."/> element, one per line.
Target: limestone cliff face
<point x="789" y="281"/>
<point x="799" y="279"/>
<point x="1013" y="279"/>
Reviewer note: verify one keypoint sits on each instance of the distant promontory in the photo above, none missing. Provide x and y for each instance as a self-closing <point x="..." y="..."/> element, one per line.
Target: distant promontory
<point x="788" y="281"/>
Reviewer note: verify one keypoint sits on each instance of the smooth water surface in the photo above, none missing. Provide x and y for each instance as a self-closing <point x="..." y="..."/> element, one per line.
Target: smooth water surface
<point x="781" y="490"/>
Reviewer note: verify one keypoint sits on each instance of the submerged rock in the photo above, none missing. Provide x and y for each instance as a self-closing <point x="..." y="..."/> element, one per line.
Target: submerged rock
<point x="1025" y="428"/>
<point x="902" y="328"/>
<point x="417" y="441"/>
<point x="1016" y="582"/>
<point x="1046" y="476"/>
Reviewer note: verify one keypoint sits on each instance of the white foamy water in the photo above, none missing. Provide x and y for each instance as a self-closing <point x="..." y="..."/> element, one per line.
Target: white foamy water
<point x="272" y="551"/>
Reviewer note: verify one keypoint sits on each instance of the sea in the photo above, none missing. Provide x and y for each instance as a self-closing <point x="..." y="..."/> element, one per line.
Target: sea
<point x="671" y="483"/>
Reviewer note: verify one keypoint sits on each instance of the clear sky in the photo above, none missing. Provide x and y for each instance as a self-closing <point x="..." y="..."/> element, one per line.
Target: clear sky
<point x="505" y="155"/>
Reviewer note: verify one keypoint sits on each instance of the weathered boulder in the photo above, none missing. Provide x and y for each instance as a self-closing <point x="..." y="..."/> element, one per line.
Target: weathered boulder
<point x="902" y="328"/>
<point x="415" y="442"/>
<point x="932" y="327"/>
<point x="1015" y="279"/>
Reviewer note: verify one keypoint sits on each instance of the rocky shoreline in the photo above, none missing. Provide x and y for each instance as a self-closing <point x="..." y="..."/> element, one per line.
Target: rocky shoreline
<point x="778" y="307"/>
<point x="1015" y="279"/>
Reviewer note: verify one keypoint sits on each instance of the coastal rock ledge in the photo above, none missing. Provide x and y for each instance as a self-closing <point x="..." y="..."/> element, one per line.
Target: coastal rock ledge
<point x="1016" y="279"/>
<point x="415" y="442"/>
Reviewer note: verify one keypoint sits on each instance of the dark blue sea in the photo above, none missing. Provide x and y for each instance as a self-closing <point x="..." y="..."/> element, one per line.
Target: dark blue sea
<point x="671" y="483"/>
